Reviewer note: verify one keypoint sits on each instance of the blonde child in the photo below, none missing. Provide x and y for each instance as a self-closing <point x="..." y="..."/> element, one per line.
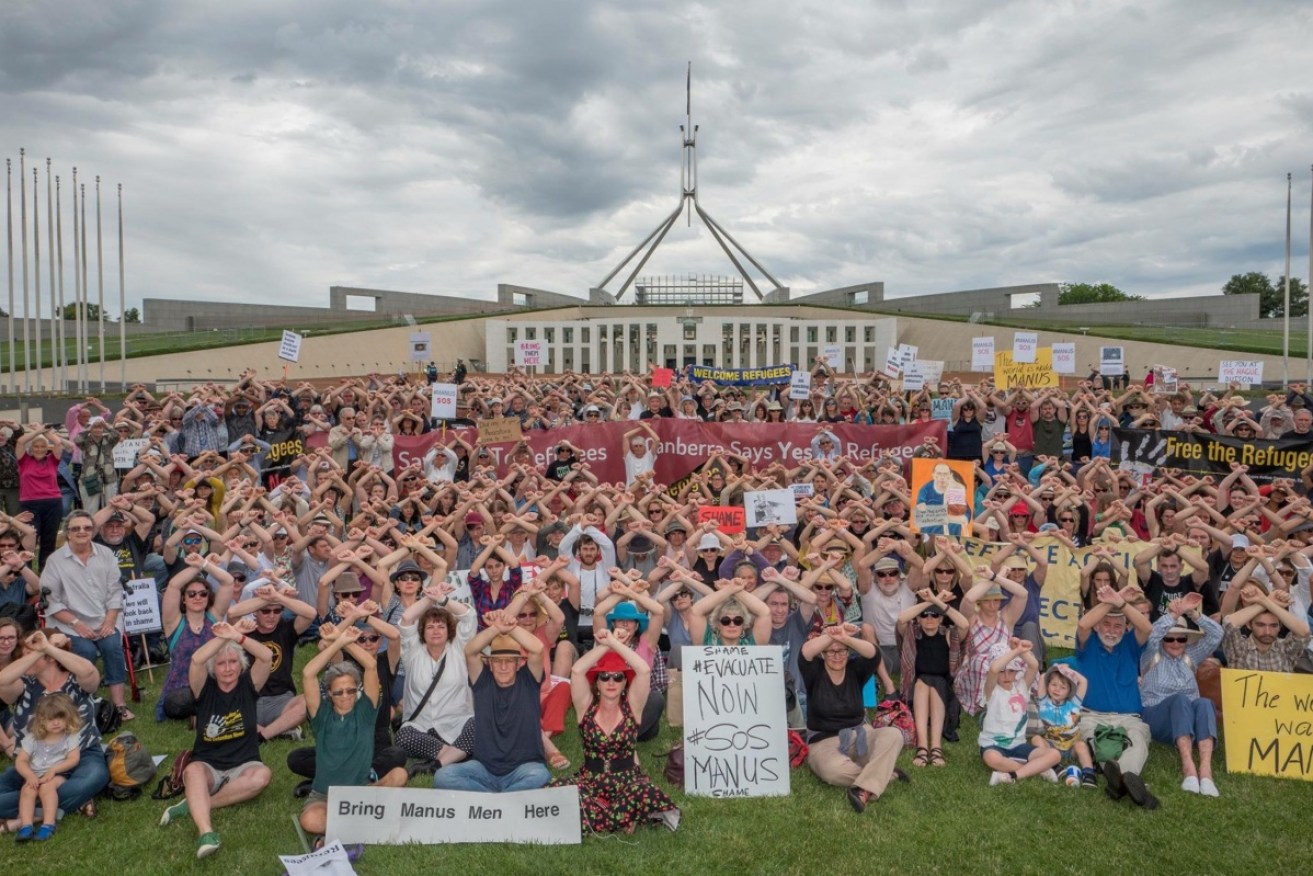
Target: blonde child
<point x="1003" y="745"/>
<point x="1059" y="714"/>
<point x="48" y="752"/>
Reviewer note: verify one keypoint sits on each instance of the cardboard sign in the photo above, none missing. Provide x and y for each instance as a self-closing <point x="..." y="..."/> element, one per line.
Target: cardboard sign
<point x="1034" y="375"/>
<point x="1112" y="361"/>
<point x="800" y="385"/>
<point x="982" y="354"/>
<point x="1245" y="372"/>
<point x="891" y="363"/>
<point x="764" y="507"/>
<point x="421" y="346"/>
<point x="1064" y="358"/>
<point x="729" y="518"/>
<point x="735" y="731"/>
<point x="443" y="406"/>
<point x="662" y="377"/>
<point x="1024" y="345"/>
<point x="290" y="347"/>
<point x="906" y="355"/>
<point x="833" y="357"/>
<point x="1268" y="718"/>
<point x="943" y="489"/>
<point x="913" y="378"/>
<point x="529" y="353"/>
<point x="141" y="607"/>
<point x="391" y="816"/>
<point x="932" y="370"/>
<point x="125" y="452"/>
<point x="499" y="430"/>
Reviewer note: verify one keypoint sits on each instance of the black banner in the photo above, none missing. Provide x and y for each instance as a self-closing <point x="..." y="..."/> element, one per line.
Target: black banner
<point x="1200" y="453"/>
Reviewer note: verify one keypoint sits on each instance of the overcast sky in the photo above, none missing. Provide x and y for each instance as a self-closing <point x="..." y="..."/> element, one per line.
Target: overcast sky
<point x="271" y="148"/>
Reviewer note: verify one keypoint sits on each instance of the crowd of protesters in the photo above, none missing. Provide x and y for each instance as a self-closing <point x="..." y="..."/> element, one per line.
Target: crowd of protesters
<point x="275" y="515"/>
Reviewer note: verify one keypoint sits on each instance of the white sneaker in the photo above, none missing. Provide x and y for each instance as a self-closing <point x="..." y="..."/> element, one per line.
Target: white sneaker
<point x="1000" y="779"/>
<point x="1191" y="785"/>
<point x="1049" y="776"/>
<point x="1207" y="788"/>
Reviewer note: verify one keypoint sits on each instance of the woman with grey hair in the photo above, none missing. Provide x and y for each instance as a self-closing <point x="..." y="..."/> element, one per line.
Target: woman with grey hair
<point x="730" y="616"/>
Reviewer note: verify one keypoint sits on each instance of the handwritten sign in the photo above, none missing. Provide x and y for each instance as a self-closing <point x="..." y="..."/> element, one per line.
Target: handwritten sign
<point x="932" y="370"/>
<point x="891" y="363"/>
<point x="392" y="816"/>
<point x="735" y="733"/>
<point x="1268" y="718"/>
<point x="765" y="507"/>
<point x="833" y="356"/>
<point x="529" y="353"/>
<point x="1031" y="375"/>
<point x="1024" y="345"/>
<point x="141" y="607"/>
<point x="1112" y="361"/>
<point x="1064" y="358"/>
<point x="443" y="406"/>
<point x="906" y="355"/>
<point x="499" y="430"/>
<point x="125" y="452"/>
<point x="982" y="354"/>
<point x="913" y="378"/>
<point x="290" y="347"/>
<point x="800" y="385"/>
<point x="729" y="518"/>
<point x="1242" y="371"/>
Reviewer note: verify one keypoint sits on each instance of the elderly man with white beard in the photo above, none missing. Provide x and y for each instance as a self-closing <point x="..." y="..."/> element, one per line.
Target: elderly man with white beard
<point x="1110" y="660"/>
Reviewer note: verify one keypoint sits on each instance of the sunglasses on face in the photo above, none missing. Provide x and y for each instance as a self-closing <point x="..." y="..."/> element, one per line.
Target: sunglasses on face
<point x="196" y="594"/>
<point x="344" y="692"/>
<point x="826" y="588"/>
<point x="929" y="614"/>
<point x="1178" y="640"/>
<point x="887" y="574"/>
<point x="837" y="653"/>
<point x="610" y="676"/>
<point x="270" y="611"/>
<point x="526" y="615"/>
<point x="184" y="541"/>
<point x="728" y="621"/>
<point x="682" y="594"/>
<point x="370" y="640"/>
<point x="944" y="571"/>
<point x="81" y="529"/>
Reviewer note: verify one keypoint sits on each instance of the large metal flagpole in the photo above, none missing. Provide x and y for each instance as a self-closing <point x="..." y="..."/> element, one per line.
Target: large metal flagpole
<point x="100" y="288"/>
<point x="50" y="251"/>
<point x="1285" y="309"/>
<point x="79" y="342"/>
<point x="27" y="304"/>
<point x="86" y="291"/>
<point x="59" y="243"/>
<point x="36" y="274"/>
<point x="1308" y="379"/>
<point x="9" y="233"/>
<point x="123" y="321"/>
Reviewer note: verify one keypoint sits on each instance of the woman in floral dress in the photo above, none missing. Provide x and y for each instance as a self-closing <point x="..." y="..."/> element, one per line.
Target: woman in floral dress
<point x="609" y="686"/>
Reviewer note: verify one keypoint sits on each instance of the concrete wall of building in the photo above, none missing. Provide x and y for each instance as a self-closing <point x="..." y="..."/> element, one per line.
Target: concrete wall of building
<point x="511" y="295"/>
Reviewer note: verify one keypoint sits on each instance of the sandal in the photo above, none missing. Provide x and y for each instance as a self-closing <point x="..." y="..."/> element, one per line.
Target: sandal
<point x="937" y="757"/>
<point x="88" y="809"/>
<point x="125" y="714"/>
<point x="922" y="757"/>
<point x="558" y="761"/>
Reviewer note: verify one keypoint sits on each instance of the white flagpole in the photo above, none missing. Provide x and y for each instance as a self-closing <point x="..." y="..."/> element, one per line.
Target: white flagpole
<point x="100" y="287"/>
<point x="86" y="292"/>
<point x="123" y="322"/>
<point x="1308" y="286"/>
<point x="79" y="346"/>
<point x="36" y="274"/>
<point x="1285" y="322"/>
<point x="9" y="233"/>
<point x="50" y="250"/>
<point x="59" y="243"/>
<point x="27" y="303"/>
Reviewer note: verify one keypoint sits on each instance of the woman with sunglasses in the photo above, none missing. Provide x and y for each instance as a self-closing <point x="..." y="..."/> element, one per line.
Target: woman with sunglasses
<point x="805" y="412"/>
<point x="930" y="653"/>
<point x="189" y="609"/>
<point x="635" y="619"/>
<point x="730" y="616"/>
<point x="609" y="686"/>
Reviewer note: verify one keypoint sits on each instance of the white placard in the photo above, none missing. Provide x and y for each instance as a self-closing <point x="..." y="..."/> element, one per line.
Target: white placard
<point x="1245" y="372"/>
<point x="141" y="607"/>
<point x="736" y="740"/>
<point x="1167" y="381"/>
<point x="833" y="356"/>
<point x="982" y="354"/>
<point x="932" y="370"/>
<point x="125" y="452"/>
<point x="421" y="346"/>
<point x="1112" y="361"/>
<point x="1024" y="345"/>
<point x="1064" y="358"/>
<point x="529" y="353"/>
<point x="891" y="366"/>
<point x="443" y="406"/>
<point x="764" y="507"/>
<point x="290" y="347"/>
<point x="913" y="378"/>
<point x="391" y="816"/>
<point x="906" y="355"/>
<point x="803" y="491"/>
<point x="800" y="385"/>
<point x="331" y="860"/>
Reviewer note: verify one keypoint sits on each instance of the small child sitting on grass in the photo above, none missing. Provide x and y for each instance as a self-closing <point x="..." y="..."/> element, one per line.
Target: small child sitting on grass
<point x="1003" y="745"/>
<point x="1059" y="715"/>
<point x="48" y="753"/>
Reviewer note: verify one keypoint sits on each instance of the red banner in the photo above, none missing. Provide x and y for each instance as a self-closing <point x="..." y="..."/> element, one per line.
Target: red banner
<point x="686" y="444"/>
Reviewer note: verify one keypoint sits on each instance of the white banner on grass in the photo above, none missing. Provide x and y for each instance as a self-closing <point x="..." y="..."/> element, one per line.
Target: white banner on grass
<point x="1064" y="358"/>
<point x="141" y="607"/>
<point x="735" y="731"/>
<point x="443" y="406"/>
<point x="391" y="816"/>
<point x="982" y="354"/>
<point x="1024" y="345"/>
<point x="1245" y="372"/>
<point x="764" y="507"/>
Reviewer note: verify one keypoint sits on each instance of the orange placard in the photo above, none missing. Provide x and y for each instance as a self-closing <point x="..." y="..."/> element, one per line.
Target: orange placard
<point x="729" y="519"/>
<point x="944" y="495"/>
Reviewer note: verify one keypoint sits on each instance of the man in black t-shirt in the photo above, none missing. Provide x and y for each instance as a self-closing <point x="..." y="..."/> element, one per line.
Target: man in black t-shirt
<point x="280" y="711"/>
<point x="844" y="749"/>
<point x="1168" y="583"/>
<point x="225" y="761"/>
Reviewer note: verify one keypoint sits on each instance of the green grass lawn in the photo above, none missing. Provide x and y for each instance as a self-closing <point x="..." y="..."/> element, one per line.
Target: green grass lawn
<point x="946" y="820"/>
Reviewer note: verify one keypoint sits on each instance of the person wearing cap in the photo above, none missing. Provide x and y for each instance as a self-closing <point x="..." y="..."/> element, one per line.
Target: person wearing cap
<point x="635" y="619"/>
<point x="1002" y="740"/>
<point x="507" y="753"/>
<point x="706" y="565"/>
<point x="843" y="748"/>
<point x="637" y="549"/>
<point x="470" y="536"/>
<point x="1107" y="657"/>
<point x="1176" y="714"/>
<point x="640" y="452"/>
<point x="990" y="624"/>
<point x="1011" y="560"/>
<point x="885" y="593"/>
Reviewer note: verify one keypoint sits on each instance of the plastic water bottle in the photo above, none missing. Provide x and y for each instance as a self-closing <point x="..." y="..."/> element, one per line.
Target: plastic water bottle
<point x="1072" y="776"/>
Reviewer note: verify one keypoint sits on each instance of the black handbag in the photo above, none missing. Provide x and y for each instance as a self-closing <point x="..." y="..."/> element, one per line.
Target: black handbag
<point x="92" y="485"/>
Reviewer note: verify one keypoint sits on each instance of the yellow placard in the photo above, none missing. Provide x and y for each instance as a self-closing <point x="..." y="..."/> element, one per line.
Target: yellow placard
<point x="1269" y="723"/>
<point x="1059" y="602"/>
<point x="1033" y="375"/>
